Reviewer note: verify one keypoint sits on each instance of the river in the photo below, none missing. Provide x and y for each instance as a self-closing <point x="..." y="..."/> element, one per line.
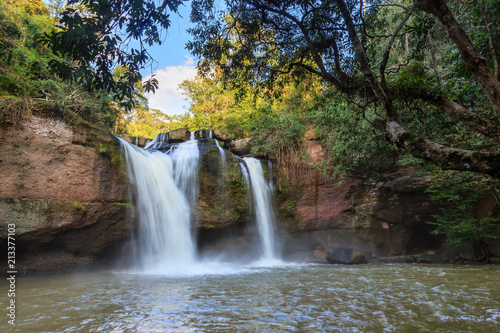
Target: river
<point x="288" y="298"/>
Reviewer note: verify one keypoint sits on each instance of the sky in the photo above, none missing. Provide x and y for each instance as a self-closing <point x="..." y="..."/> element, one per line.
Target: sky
<point x="174" y="65"/>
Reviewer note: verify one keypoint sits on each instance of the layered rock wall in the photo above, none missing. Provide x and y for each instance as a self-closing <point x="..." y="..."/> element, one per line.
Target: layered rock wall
<point x="381" y="217"/>
<point x="64" y="189"/>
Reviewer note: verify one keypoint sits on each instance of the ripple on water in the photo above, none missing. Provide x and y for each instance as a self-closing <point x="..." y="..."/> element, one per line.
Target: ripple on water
<point x="300" y="298"/>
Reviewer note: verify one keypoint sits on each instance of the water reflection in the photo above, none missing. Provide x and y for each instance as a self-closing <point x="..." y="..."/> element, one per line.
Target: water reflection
<point x="308" y="298"/>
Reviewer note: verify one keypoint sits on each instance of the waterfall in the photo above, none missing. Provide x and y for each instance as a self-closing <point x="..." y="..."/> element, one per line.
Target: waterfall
<point x="264" y="214"/>
<point x="162" y="137"/>
<point x="166" y="197"/>
<point x="185" y="158"/>
<point x="221" y="151"/>
<point x="244" y="174"/>
<point x="166" y="190"/>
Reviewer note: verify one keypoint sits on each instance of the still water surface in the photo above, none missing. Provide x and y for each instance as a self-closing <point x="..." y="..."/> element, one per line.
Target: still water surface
<point x="296" y="298"/>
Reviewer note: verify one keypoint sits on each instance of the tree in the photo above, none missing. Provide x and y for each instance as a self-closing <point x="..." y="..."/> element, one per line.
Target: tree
<point x="95" y="36"/>
<point x="354" y="53"/>
<point x="458" y="195"/>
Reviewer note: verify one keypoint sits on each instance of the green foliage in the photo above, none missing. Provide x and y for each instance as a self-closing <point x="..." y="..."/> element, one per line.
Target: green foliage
<point x="277" y="133"/>
<point x="25" y="73"/>
<point x="23" y="59"/>
<point x="458" y="195"/>
<point x="356" y="146"/>
<point x="95" y="36"/>
<point x="143" y="121"/>
<point x="212" y="106"/>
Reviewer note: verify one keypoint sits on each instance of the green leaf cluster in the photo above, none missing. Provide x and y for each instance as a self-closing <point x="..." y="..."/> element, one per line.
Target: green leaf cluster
<point x="462" y="220"/>
<point x="25" y="72"/>
<point x="23" y="58"/>
<point x="355" y="144"/>
<point x="96" y="36"/>
<point x="277" y="133"/>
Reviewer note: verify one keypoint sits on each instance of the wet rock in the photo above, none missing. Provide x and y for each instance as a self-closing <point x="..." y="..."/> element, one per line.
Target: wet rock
<point x="241" y="147"/>
<point x="346" y="256"/>
<point x="214" y="134"/>
<point x="178" y="135"/>
<point x="222" y="199"/>
<point x="140" y="141"/>
<point x="494" y="261"/>
<point x="406" y="259"/>
<point x="126" y="137"/>
<point x="202" y="134"/>
<point x="427" y="258"/>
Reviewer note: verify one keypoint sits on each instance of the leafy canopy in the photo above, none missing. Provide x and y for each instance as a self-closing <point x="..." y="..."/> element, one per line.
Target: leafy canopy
<point x="95" y="36"/>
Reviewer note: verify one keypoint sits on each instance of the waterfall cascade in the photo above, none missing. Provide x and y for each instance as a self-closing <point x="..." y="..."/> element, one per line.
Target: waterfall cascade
<point x="166" y="192"/>
<point x="163" y="199"/>
<point x="262" y="196"/>
<point x="221" y="150"/>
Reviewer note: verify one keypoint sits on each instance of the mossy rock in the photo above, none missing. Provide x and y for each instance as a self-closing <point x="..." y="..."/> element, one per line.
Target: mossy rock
<point x="222" y="198"/>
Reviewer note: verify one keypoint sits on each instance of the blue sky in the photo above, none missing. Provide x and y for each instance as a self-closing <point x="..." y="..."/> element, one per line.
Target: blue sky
<point x="174" y="64"/>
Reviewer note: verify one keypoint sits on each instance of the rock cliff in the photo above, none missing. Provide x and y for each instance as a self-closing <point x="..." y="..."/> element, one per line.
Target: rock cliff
<point x="381" y="217"/>
<point x="64" y="189"/>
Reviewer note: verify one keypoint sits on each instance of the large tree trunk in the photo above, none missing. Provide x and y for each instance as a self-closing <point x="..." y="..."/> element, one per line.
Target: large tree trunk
<point x="445" y="157"/>
<point x="475" y="62"/>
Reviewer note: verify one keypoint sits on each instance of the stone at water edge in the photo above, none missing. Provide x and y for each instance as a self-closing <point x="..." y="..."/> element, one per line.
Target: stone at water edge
<point x="223" y="136"/>
<point x="346" y="256"/>
<point x="241" y="147"/>
<point x="178" y="135"/>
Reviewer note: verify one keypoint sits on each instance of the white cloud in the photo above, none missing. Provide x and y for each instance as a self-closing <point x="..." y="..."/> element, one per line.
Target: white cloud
<point x="168" y="98"/>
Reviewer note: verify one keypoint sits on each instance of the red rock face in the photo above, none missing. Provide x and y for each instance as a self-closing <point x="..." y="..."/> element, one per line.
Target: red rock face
<point x="381" y="217"/>
<point x="64" y="197"/>
<point x="323" y="202"/>
<point x="325" y="206"/>
<point x="50" y="167"/>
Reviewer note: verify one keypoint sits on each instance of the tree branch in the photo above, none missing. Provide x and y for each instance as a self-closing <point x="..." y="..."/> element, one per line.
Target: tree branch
<point x="444" y="156"/>
<point x="381" y="93"/>
<point x="490" y="40"/>
<point x="475" y="62"/>
<point x="434" y="61"/>
<point x="385" y="57"/>
<point x="470" y="119"/>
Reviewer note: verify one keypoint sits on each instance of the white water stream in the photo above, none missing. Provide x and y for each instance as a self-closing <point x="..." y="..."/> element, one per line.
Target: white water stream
<point x="222" y="152"/>
<point x="162" y="200"/>
<point x="264" y="214"/>
<point x="166" y="194"/>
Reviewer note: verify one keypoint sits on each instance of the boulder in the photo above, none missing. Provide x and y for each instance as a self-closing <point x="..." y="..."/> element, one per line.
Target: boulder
<point x="346" y="256"/>
<point x="126" y="137"/>
<point x="178" y="135"/>
<point x="202" y="134"/>
<point x="241" y="147"/>
<point x="140" y="141"/>
<point x="215" y="134"/>
<point x="222" y="136"/>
